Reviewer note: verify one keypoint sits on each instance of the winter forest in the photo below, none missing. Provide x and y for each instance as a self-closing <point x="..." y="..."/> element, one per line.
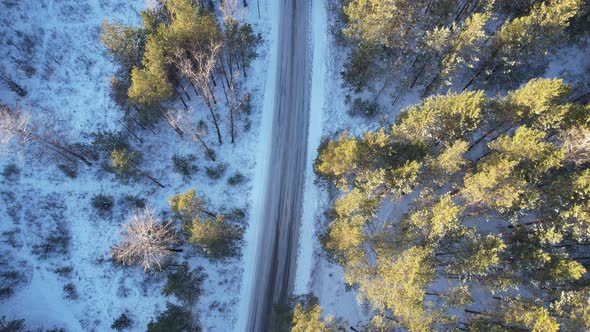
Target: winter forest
<point x="295" y="165"/>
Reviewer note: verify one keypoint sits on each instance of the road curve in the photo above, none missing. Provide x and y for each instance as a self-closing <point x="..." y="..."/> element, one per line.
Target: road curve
<point x="276" y="251"/>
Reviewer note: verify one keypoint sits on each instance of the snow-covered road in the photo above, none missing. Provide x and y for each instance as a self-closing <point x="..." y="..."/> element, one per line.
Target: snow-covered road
<point x="273" y="268"/>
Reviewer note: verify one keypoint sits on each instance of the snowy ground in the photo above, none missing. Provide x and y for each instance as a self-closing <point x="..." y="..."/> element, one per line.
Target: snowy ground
<point x="51" y="49"/>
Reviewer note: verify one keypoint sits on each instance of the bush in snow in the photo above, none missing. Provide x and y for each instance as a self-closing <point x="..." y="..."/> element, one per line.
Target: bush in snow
<point x="184" y="284"/>
<point x="236" y="179"/>
<point x="184" y="165"/>
<point x="15" y="325"/>
<point x="215" y="172"/>
<point x="367" y="108"/>
<point x="70" y="291"/>
<point x="122" y="323"/>
<point x="175" y="318"/>
<point x="107" y="141"/>
<point x="235" y="215"/>
<point x="103" y="204"/>
<point x="133" y="202"/>
<point x="11" y="172"/>
<point x="68" y="170"/>
<point x="65" y="271"/>
<point x="9" y="280"/>
<point x="57" y="243"/>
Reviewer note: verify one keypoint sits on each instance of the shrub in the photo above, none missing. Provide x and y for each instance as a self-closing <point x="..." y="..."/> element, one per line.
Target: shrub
<point x="125" y="163"/>
<point x="109" y="141"/>
<point x="11" y="172"/>
<point x="70" y="291"/>
<point x="15" y="325"/>
<point x="175" y="318"/>
<point x="64" y="271"/>
<point x="57" y="243"/>
<point x="215" y="172"/>
<point x="236" y="215"/>
<point x="132" y="201"/>
<point x="185" y="284"/>
<point x="184" y="165"/>
<point x="236" y="179"/>
<point x="365" y="108"/>
<point x="68" y="170"/>
<point x="103" y="204"/>
<point x="9" y="280"/>
<point x="122" y="323"/>
<point x="210" y="154"/>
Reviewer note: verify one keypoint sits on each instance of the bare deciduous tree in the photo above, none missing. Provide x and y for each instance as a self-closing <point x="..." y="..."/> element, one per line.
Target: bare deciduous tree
<point x="199" y="70"/>
<point x="174" y="118"/>
<point x="16" y="123"/>
<point x="230" y="8"/>
<point x="198" y="133"/>
<point x="13" y="124"/>
<point x="146" y="242"/>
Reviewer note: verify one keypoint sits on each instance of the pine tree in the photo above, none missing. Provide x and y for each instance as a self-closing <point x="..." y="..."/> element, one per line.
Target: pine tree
<point x="123" y="43"/>
<point x="126" y="164"/>
<point x="477" y="255"/>
<point x="574" y="309"/>
<point x="521" y="46"/>
<point x="310" y="319"/>
<point x="398" y="285"/>
<point x="438" y="118"/>
<point x="448" y="162"/>
<point x="437" y="220"/>
<point x="174" y="318"/>
<point x="540" y="100"/>
<point x="495" y="184"/>
<point x="465" y="44"/>
<point x="338" y="159"/>
<point x="532" y="317"/>
<point x="187" y="206"/>
<point x="149" y="88"/>
<point x="216" y="237"/>
<point x="387" y="23"/>
<point x="528" y="149"/>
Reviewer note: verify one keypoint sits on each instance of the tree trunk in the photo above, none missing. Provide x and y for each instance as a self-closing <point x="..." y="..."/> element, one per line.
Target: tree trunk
<point x="207" y="149"/>
<point x="212" y="94"/>
<point x="207" y="212"/>
<point x="131" y="132"/>
<point x="418" y="76"/>
<point x="181" y="99"/>
<point x="232" y="129"/>
<point x="150" y="177"/>
<point x="194" y="89"/>
<point x="215" y="124"/>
